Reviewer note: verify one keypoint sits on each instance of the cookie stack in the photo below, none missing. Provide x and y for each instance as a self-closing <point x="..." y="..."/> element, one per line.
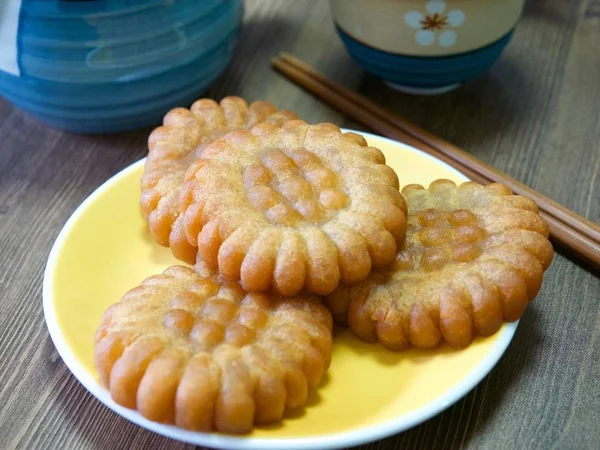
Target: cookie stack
<point x="288" y="225"/>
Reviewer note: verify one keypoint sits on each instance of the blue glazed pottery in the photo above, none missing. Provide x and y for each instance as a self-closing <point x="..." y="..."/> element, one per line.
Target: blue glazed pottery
<point x="427" y="47"/>
<point x="104" y="66"/>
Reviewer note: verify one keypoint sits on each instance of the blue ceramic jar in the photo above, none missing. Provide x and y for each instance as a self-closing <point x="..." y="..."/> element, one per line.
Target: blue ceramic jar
<point x="104" y="66"/>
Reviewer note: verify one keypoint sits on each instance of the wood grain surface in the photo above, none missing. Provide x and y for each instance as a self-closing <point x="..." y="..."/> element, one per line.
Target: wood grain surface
<point x="535" y="115"/>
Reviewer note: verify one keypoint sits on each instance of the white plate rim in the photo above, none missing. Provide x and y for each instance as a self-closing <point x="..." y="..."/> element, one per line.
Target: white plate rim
<point x="352" y="438"/>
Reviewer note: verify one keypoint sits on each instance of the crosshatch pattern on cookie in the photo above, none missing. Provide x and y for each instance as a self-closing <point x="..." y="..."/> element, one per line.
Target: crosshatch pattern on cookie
<point x="474" y="257"/>
<point x="179" y="142"/>
<point x="293" y="206"/>
<point x="206" y="355"/>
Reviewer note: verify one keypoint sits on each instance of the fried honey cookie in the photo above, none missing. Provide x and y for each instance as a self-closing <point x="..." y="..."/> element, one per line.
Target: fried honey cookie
<point x="203" y="355"/>
<point x="174" y="146"/>
<point x="293" y="206"/>
<point x="474" y="257"/>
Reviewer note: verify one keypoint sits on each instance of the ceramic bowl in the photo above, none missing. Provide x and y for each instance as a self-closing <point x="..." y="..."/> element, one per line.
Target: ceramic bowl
<point x="105" y="66"/>
<point x="425" y="47"/>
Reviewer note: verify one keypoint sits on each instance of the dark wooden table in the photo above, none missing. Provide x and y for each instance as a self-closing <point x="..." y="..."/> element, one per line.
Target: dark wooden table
<point x="535" y="115"/>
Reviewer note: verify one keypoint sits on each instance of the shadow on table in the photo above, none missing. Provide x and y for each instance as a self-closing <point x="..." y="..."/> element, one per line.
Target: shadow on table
<point x="94" y="426"/>
<point x="472" y="117"/>
<point x="550" y="11"/>
<point x="518" y="360"/>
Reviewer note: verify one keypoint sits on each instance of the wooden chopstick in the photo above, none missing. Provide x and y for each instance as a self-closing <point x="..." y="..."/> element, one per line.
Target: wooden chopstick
<point x="549" y="206"/>
<point x="565" y="228"/>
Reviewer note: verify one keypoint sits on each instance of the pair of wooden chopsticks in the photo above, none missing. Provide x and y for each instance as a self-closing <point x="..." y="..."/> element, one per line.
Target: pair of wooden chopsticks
<point x="567" y="229"/>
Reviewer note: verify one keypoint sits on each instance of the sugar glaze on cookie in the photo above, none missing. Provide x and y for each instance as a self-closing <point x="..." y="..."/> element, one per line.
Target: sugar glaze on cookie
<point x="293" y="207"/>
<point x="474" y="257"/>
<point x="205" y="355"/>
<point x="175" y="145"/>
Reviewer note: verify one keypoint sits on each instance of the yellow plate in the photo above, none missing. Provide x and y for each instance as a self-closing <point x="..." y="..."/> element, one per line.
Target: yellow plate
<point x="369" y="393"/>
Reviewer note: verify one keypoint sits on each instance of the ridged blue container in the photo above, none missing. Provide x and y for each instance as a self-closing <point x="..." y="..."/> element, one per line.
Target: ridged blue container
<point x="105" y="66"/>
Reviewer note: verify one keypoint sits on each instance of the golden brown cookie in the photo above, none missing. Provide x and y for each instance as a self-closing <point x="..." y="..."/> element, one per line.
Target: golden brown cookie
<point x="174" y="146"/>
<point x="293" y="206"/>
<point x="204" y="355"/>
<point x="474" y="257"/>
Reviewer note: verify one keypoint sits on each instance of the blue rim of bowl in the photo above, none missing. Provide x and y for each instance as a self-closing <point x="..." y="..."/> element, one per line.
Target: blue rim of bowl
<point x="424" y="71"/>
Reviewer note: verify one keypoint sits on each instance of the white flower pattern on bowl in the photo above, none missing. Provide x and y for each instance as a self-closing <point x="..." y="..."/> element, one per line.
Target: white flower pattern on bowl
<point x="434" y="25"/>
